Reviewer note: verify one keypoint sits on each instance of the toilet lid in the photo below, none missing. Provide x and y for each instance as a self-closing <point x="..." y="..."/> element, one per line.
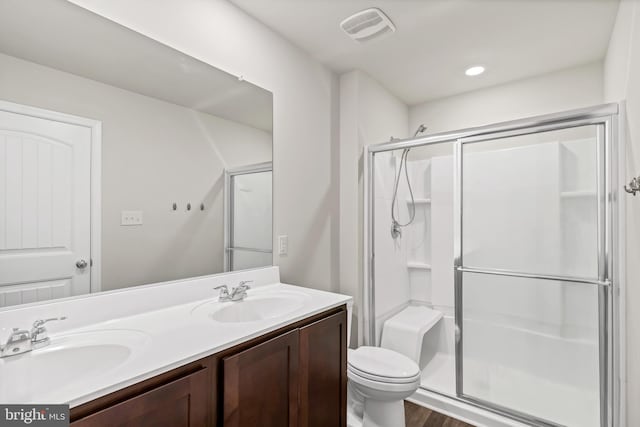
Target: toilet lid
<point x="383" y="364"/>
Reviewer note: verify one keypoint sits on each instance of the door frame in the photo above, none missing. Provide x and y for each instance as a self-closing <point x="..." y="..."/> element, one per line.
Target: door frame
<point x="96" y="176"/>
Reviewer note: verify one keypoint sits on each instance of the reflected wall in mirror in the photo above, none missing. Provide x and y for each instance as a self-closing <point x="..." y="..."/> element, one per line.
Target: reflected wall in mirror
<point x="113" y="152"/>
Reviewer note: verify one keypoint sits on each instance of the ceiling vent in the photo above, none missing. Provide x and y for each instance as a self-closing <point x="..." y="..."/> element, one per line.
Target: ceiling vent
<point x="367" y="24"/>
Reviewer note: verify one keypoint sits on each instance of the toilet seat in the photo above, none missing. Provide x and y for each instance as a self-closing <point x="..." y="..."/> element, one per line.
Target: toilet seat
<point x="382" y="365"/>
<point x="377" y="386"/>
<point x="382" y="379"/>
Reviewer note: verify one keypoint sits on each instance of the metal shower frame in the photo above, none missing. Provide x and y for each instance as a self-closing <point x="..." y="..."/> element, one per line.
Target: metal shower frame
<point x="610" y="224"/>
<point x="228" y="216"/>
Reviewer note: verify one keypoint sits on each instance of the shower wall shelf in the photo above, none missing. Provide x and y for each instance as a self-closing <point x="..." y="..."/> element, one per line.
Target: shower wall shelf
<point x="420" y="201"/>
<point x="418" y="265"/>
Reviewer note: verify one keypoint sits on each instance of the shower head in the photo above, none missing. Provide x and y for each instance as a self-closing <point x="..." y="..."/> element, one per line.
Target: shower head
<point x="420" y="129"/>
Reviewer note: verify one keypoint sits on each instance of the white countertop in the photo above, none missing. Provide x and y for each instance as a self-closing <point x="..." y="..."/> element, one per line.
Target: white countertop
<point x="162" y="339"/>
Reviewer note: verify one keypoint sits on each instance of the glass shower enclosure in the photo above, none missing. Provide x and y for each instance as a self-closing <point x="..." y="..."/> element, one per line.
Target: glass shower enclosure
<point x="515" y="242"/>
<point x="248" y="217"/>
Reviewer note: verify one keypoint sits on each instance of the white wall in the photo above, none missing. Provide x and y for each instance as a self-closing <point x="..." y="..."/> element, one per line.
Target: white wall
<point x="622" y="82"/>
<point x="305" y="116"/>
<point x="562" y="90"/>
<point x="368" y="114"/>
<point x="154" y="153"/>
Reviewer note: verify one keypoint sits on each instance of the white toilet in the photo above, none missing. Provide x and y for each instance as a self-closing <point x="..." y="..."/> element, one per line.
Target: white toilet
<point x="380" y="378"/>
<point x="379" y="381"/>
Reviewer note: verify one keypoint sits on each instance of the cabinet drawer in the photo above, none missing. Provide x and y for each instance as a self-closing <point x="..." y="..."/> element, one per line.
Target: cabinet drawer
<point x="179" y="403"/>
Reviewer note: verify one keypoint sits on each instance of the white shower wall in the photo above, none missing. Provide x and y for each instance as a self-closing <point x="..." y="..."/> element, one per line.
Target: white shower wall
<point x="423" y="255"/>
<point x="544" y="224"/>
<point x="403" y="268"/>
<point x="442" y="234"/>
<point x="392" y="291"/>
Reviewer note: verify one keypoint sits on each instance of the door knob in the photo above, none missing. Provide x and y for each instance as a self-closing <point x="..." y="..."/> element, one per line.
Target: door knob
<point x="81" y="263"/>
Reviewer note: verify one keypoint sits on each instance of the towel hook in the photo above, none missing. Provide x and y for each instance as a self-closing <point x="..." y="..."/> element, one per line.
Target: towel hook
<point x="634" y="186"/>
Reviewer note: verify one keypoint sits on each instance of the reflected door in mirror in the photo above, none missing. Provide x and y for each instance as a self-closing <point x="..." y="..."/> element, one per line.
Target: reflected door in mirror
<point x="45" y="206"/>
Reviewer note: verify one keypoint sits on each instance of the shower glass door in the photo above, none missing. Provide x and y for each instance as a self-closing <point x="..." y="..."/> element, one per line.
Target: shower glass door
<point x="531" y="276"/>
<point x="248" y="216"/>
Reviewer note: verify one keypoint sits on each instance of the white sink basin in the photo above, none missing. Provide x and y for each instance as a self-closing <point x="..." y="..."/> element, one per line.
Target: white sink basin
<point x="67" y="362"/>
<point x="254" y="308"/>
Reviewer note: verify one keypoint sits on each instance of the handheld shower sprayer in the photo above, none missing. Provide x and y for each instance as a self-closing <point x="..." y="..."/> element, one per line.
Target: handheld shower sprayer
<point x="420" y="130"/>
<point x="396" y="227"/>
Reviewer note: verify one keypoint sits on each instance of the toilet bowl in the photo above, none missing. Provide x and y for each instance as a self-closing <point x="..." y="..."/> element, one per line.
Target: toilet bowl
<point x="379" y="381"/>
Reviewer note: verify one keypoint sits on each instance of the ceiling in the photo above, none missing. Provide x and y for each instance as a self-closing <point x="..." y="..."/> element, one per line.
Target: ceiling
<point x="436" y="40"/>
<point x="69" y="38"/>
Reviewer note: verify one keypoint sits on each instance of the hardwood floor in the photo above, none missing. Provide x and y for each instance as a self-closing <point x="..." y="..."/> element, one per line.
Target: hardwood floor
<point x="417" y="416"/>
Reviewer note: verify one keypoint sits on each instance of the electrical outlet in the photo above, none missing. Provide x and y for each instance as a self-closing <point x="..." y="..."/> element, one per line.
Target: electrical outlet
<point x="131" y="218"/>
<point x="283" y="245"/>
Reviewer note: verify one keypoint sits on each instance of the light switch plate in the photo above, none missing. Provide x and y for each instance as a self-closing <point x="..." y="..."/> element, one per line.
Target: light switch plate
<point x="131" y="218"/>
<point x="283" y="245"/>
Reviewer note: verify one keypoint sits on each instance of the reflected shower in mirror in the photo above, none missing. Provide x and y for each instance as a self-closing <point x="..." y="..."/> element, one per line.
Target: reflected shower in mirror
<point x="113" y="153"/>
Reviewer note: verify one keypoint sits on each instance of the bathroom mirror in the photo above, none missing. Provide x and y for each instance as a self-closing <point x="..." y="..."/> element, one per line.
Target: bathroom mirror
<point x="122" y="161"/>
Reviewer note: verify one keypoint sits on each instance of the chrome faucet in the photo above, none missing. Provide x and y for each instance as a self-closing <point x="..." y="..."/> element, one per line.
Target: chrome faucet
<point x="22" y="341"/>
<point x="39" y="334"/>
<point x="240" y="292"/>
<point x="18" y="342"/>
<point x="237" y="294"/>
<point x="223" y="296"/>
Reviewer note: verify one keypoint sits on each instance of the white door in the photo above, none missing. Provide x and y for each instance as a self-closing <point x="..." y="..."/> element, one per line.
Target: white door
<point x="45" y="209"/>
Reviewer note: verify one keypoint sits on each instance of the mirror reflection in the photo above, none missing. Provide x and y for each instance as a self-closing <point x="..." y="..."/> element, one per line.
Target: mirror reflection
<point x="122" y="161"/>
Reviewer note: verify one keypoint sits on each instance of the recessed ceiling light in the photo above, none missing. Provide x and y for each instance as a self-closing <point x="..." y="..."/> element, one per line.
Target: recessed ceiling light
<point x="475" y="70"/>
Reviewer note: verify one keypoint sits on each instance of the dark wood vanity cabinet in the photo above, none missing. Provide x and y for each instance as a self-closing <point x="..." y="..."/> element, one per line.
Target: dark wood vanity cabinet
<point x="180" y="403"/>
<point x="295" y="376"/>
<point x="260" y="384"/>
<point x="323" y="372"/>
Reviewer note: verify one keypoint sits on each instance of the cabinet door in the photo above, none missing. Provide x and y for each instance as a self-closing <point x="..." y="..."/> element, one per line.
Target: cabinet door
<point x="323" y="372"/>
<point x="261" y="384"/>
<point x="180" y="403"/>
